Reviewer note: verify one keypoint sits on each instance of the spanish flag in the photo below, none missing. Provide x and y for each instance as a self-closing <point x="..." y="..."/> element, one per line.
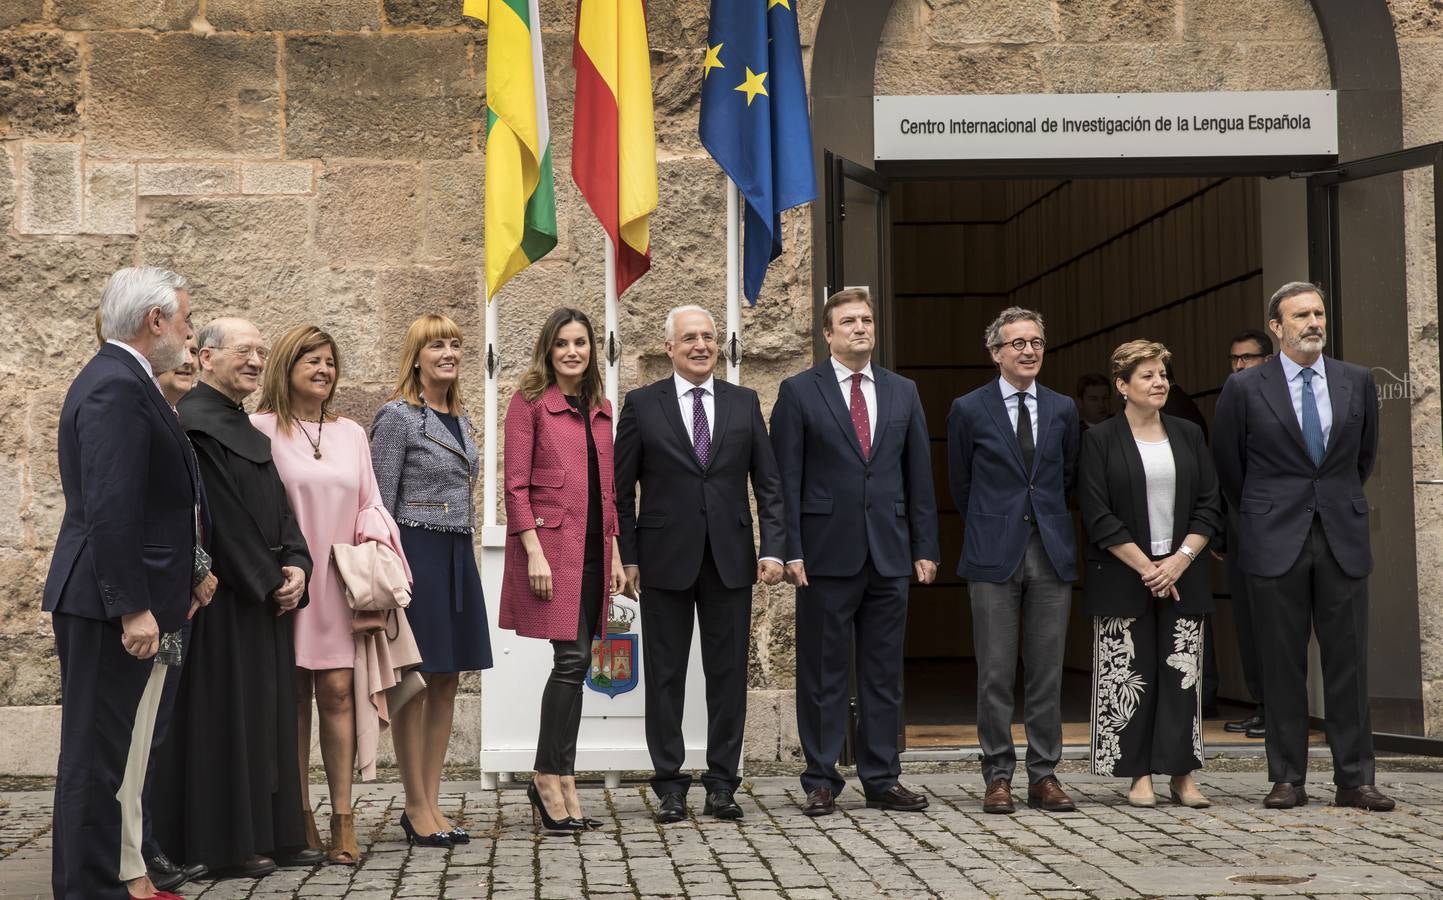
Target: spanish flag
<point x="613" y="156"/>
<point x="520" y="194"/>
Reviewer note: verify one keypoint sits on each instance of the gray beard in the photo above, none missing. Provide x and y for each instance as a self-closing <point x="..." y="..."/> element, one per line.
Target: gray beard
<point x="167" y="355"/>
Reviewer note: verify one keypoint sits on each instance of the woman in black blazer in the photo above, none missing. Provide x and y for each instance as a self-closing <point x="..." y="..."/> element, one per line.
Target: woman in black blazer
<point x="1149" y="499"/>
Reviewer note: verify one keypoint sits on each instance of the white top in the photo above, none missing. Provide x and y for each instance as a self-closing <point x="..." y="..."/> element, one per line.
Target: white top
<point x="1009" y="399"/>
<point x="1294" y="373"/>
<point x="685" y="400"/>
<point x="1161" y="471"/>
<point x="869" y="392"/>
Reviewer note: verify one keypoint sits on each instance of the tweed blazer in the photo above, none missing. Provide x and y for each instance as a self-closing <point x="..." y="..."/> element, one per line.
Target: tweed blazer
<point x="546" y="490"/>
<point x="426" y="479"/>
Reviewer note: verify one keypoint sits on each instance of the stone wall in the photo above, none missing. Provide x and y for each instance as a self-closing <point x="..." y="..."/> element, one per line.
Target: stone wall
<point x="319" y="160"/>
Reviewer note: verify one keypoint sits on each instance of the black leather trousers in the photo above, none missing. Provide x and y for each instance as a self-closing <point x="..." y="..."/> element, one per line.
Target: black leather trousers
<point x="561" y="700"/>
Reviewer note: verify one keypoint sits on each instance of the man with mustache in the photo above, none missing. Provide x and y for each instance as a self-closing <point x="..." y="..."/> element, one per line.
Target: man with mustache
<point x="691" y="442"/>
<point x="1294" y="440"/>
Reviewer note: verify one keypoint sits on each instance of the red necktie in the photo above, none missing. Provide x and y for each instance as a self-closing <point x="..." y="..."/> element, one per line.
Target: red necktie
<point x="860" y="420"/>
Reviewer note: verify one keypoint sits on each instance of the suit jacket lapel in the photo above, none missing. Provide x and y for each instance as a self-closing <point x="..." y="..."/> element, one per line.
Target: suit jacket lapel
<point x="832" y="396"/>
<point x="671" y="411"/>
<point x="1137" y="477"/>
<point x="1279" y="396"/>
<point x="992" y="399"/>
<point x="433" y="429"/>
<point x="721" y="413"/>
<point x="1340" y="395"/>
<point x="167" y="415"/>
<point x="886" y="400"/>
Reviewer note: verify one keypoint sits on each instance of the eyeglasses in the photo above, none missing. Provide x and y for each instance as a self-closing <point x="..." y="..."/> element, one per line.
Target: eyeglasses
<point x="1020" y="344"/>
<point x="1245" y="357"/>
<point x="244" y="351"/>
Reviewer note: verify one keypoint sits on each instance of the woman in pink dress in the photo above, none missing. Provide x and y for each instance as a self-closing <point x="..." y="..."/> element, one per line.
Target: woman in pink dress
<point x="325" y="463"/>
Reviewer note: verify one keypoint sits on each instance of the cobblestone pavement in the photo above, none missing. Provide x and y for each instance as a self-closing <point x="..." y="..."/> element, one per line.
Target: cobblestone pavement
<point x="1105" y="850"/>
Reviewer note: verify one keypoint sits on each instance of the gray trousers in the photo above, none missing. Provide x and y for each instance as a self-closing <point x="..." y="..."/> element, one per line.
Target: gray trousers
<point x="1029" y="611"/>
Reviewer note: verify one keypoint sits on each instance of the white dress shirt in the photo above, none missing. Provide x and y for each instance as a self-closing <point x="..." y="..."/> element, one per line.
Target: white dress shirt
<point x="685" y="401"/>
<point x="869" y="392"/>
<point x="1294" y="373"/>
<point x="1009" y="399"/>
<point x="140" y="358"/>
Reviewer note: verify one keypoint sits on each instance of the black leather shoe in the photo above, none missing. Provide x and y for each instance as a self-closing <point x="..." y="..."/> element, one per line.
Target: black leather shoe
<point x="820" y="802"/>
<point x="1258" y="732"/>
<point x="723" y="805"/>
<point x="1243" y="726"/>
<point x="1364" y="796"/>
<point x="299" y="859"/>
<point x="255" y="867"/>
<point x="164" y="874"/>
<point x="898" y="799"/>
<point x="1286" y="796"/>
<point x="673" y="809"/>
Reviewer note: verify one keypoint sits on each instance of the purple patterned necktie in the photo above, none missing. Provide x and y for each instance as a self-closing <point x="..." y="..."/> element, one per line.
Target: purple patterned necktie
<point x="700" y="431"/>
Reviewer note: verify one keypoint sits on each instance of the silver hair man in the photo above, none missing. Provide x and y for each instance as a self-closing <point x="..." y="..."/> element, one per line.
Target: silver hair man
<point x="671" y="317"/>
<point x="1287" y="291"/>
<point x="1007" y="317"/>
<point x="131" y="294"/>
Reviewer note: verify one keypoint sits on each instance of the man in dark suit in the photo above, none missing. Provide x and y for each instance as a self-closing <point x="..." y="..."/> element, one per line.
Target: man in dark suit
<point x="1250" y="348"/>
<point x="855" y="457"/>
<point x="692" y="441"/>
<point x="1294" y="440"/>
<point x="1011" y="458"/>
<point x="120" y="580"/>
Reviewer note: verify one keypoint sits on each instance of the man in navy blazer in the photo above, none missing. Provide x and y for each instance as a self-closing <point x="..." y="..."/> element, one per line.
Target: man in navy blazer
<point x="852" y="446"/>
<point x="120" y="578"/>
<point x="1011" y="458"/>
<point x="1294" y="440"/>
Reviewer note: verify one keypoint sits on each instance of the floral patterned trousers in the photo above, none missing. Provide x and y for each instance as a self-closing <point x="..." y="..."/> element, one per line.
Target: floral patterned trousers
<point x="1146" y="693"/>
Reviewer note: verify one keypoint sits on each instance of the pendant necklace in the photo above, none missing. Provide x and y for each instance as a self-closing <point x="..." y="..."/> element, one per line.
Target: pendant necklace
<point x="316" y="444"/>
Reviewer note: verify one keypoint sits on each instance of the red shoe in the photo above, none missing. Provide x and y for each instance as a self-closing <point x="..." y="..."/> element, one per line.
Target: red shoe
<point x="158" y="895"/>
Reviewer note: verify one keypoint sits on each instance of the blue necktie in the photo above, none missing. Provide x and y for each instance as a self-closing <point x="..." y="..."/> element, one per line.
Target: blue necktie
<point x="700" y="432"/>
<point x="1312" y="424"/>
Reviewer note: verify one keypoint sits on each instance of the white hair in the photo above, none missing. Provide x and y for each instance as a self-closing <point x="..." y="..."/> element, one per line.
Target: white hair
<point x="131" y="294"/>
<point x="670" y="331"/>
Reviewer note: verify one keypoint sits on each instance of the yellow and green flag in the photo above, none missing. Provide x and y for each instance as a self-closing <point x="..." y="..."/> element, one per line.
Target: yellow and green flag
<point x="520" y="194"/>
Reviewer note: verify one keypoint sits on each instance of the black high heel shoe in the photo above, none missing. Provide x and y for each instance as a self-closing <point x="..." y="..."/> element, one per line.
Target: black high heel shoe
<point x="459" y="835"/>
<point x="439" y="839"/>
<point x="566" y="825"/>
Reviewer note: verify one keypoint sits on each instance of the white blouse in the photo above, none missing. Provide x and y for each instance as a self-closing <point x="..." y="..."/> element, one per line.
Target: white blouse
<point x="1161" y="471"/>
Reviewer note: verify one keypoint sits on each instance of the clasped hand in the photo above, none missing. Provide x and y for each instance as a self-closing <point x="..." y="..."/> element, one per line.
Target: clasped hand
<point x="1160" y="578"/>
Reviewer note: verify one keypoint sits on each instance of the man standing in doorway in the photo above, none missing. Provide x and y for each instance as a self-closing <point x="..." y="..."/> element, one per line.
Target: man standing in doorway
<point x="691" y="442"/>
<point x="852" y="445"/>
<point x="1011" y="457"/>
<point x="1250" y="348"/>
<point x="1294" y="439"/>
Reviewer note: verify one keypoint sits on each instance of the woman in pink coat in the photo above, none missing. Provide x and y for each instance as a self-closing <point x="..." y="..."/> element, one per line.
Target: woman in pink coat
<point x="562" y="560"/>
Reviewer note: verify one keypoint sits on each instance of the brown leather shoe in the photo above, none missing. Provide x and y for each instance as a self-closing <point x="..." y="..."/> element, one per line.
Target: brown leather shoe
<point x="1048" y="796"/>
<point x="1364" y="796"/>
<point x="820" y="802"/>
<point x="999" y="798"/>
<point x="1286" y="796"/>
<point x="898" y="799"/>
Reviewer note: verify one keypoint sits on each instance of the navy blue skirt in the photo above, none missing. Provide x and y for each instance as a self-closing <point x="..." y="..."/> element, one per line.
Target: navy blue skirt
<point x="448" y="610"/>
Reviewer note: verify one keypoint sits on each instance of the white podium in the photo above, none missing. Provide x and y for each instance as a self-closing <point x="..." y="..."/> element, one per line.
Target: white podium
<point x="613" y="735"/>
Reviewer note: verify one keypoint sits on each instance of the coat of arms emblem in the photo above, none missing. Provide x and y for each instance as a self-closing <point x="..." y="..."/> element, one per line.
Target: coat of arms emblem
<point x="616" y="658"/>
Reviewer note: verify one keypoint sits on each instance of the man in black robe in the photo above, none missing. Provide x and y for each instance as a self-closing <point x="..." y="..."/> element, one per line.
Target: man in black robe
<point x="232" y="791"/>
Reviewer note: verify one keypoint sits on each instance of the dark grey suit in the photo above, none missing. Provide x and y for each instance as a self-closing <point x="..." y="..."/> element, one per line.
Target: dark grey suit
<point x="1303" y="540"/>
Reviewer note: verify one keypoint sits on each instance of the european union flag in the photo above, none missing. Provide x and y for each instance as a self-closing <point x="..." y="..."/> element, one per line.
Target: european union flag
<point x="754" y="120"/>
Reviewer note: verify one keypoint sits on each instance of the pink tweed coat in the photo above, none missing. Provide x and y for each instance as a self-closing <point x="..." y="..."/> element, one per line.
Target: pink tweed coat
<point x="546" y="490"/>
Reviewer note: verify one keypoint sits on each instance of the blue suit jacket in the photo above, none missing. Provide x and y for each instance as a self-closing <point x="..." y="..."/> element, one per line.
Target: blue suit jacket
<point x="990" y="486"/>
<point x="127" y="540"/>
<point x="840" y="508"/>
<point x="1267" y="476"/>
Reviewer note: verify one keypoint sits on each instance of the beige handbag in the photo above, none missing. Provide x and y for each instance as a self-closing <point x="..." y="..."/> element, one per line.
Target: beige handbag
<point x="374" y="578"/>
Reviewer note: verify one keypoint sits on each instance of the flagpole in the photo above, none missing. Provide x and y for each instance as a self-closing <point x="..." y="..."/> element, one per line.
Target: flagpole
<point x="610" y="343"/>
<point x="488" y="480"/>
<point x="733" y="346"/>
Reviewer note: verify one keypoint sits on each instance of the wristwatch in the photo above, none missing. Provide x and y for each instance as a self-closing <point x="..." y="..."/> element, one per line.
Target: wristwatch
<point x="1185" y="550"/>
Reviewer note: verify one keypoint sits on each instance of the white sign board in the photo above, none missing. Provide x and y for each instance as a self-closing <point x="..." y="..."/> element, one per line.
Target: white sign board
<point x="1106" y="126"/>
<point x="613" y="724"/>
